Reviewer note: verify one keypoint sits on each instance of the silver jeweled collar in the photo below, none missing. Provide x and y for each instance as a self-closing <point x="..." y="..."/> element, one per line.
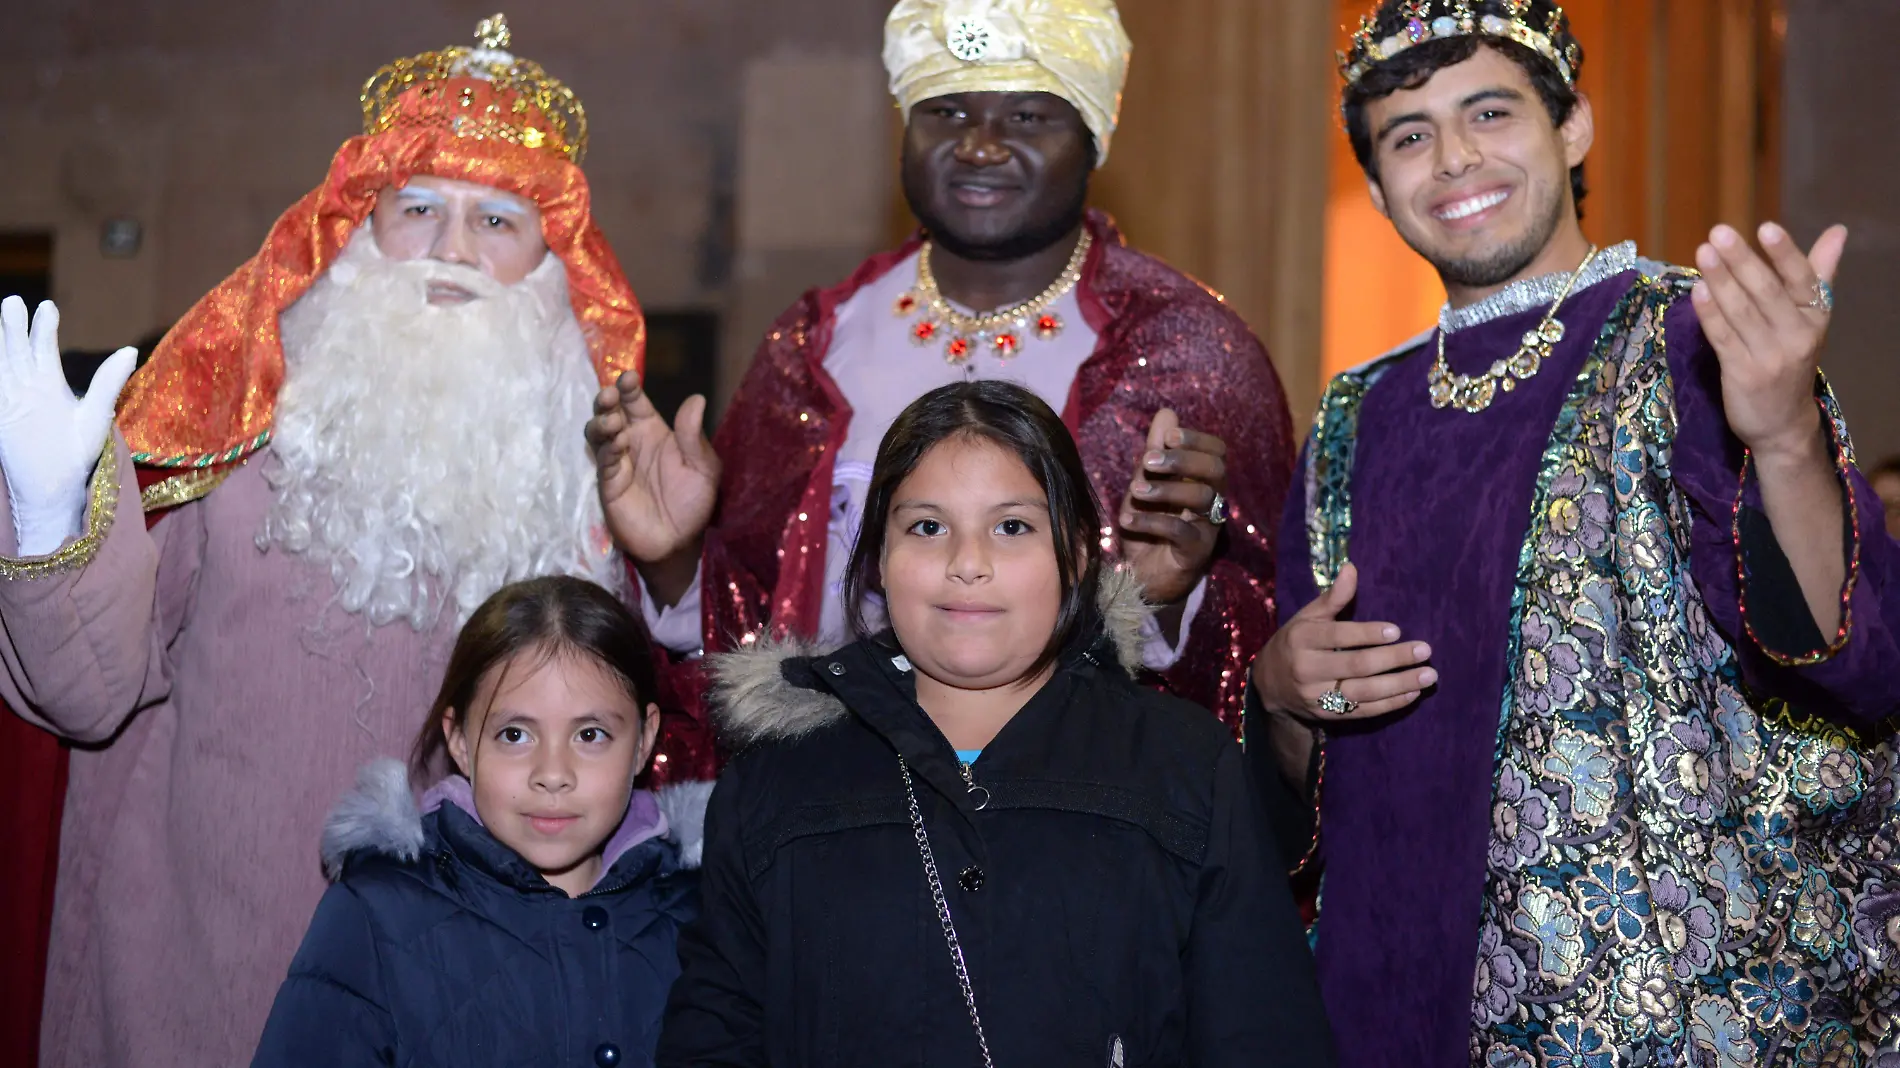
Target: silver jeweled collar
<point x="1539" y="292"/>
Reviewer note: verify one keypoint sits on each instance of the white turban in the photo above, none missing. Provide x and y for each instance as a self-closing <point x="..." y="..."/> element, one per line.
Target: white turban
<point x="1075" y="49"/>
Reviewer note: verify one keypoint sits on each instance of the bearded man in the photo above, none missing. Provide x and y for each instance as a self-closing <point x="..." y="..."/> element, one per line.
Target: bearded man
<point x="1639" y="808"/>
<point x="344" y="448"/>
<point x="1010" y="105"/>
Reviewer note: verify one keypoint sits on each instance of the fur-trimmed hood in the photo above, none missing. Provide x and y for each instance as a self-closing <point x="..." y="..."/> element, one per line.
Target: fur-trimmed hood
<point x="381" y="815"/>
<point x="753" y="701"/>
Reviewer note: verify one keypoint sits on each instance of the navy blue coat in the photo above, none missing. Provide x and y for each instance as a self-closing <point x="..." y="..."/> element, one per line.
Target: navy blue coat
<point x="441" y="946"/>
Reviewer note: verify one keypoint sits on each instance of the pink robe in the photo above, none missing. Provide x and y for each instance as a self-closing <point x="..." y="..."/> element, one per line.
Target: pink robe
<point x="219" y="710"/>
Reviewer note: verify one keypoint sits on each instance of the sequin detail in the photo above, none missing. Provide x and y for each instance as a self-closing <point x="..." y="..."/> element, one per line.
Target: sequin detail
<point x="480" y="93"/>
<point x="1166" y="342"/>
<point x="1331" y="448"/>
<point x="1542" y="291"/>
<point x="102" y="502"/>
<point x="1844" y="459"/>
<point x="182" y="489"/>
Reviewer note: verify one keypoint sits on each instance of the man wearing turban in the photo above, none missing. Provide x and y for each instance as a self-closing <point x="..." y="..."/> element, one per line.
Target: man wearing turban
<point x="1010" y="105"/>
<point x="340" y="451"/>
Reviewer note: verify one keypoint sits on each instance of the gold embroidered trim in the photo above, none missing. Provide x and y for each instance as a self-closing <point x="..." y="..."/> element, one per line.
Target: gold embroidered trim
<point x="1844" y="462"/>
<point x="1319" y="792"/>
<point x="100" y="508"/>
<point x="182" y="489"/>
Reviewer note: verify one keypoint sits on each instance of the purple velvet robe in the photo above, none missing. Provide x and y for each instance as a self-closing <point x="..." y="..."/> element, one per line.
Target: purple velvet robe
<point x="1441" y="502"/>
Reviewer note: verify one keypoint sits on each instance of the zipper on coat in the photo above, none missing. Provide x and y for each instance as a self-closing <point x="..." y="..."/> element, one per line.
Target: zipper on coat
<point x="981" y="794"/>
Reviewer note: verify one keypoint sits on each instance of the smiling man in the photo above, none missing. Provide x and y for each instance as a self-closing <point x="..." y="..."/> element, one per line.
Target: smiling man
<point x="343" y="449"/>
<point x="1010" y="106"/>
<point x="1600" y="692"/>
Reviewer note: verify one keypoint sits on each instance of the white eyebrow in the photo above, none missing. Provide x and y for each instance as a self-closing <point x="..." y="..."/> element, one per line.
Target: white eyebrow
<point x="500" y="207"/>
<point x="427" y="196"/>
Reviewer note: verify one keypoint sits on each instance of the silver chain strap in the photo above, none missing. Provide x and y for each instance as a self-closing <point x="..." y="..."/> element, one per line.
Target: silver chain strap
<point x="942" y="902"/>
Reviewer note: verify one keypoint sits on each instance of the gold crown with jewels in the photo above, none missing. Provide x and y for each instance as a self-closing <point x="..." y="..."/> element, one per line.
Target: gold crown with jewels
<point x="1419" y="21"/>
<point x="483" y="92"/>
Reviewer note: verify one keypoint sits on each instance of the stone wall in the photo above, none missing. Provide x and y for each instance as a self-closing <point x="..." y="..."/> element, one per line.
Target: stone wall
<point x="205" y="119"/>
<point x="742" y="150"/>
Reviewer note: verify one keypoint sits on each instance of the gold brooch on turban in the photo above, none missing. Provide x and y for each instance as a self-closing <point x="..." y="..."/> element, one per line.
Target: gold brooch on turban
<point x="1075" y="49"/>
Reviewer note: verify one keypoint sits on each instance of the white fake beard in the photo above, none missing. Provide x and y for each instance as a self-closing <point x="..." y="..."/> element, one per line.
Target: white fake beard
<point x="430" y="454"/>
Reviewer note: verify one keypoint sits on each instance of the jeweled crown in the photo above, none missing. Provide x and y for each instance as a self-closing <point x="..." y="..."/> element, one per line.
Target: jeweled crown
<point x="480" y="92"/>
<point x="1393" y="29"/>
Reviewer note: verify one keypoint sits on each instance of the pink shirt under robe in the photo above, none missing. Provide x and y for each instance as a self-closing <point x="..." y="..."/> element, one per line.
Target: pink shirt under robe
<point x="880" y="370"/>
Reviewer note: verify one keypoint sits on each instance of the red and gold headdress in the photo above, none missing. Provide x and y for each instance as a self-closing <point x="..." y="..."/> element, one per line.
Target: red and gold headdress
<point x="1393" y="29"/>
<point x="478" y="92"/>
<point x="207" y="398"/>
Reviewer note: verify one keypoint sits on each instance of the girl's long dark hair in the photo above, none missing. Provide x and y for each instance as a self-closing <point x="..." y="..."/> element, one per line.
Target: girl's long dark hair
<point x="1016" y="420"/>
<point x="548" y="617"/>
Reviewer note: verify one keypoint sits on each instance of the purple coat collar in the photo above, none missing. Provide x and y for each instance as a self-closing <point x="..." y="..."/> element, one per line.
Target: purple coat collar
<point x="643" y="820"/>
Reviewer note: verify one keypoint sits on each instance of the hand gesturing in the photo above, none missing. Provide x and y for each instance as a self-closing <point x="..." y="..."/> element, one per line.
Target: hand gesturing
<point x="658" y="484"/>
<point x="1766" y="319"/>
<point x="1166" y="535"/>
<point x="1315" y="652"/>
<point x="50" y="441"/>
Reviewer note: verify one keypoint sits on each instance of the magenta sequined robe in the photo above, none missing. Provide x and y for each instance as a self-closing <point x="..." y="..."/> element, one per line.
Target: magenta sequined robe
<point x="1164" y="341"/>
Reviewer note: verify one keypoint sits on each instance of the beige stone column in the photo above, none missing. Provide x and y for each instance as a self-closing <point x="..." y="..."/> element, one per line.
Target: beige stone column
<point x="1220" y="166"/>
<point x="816" y="165"/>
<point x="1840" y="158"/>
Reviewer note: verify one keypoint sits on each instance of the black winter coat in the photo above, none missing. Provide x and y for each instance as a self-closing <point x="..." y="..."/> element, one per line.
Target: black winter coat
<point x="1117" y="895"/>
<point x="439" y="946"/>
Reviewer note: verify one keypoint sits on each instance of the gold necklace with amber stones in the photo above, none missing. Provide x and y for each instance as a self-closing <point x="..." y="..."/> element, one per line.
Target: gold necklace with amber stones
<point x="1002" y="332"/>
<point x="1475" y="394"/>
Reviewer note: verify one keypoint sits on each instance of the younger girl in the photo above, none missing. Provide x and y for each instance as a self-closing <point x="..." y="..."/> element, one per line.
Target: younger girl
<point x="972" y="839"/>
<point x="528" y="914"/>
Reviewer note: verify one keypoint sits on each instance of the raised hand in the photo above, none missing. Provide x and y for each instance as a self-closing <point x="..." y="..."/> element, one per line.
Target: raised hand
<point x="1315" y="652"/>
<point x="1166" y="533"/>
<point x="658" y="484"/>
<point x="1766" y="319"/>
<point x="50" y="441"/>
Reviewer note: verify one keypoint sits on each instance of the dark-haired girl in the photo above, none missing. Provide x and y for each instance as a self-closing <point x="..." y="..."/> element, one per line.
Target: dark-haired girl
<point x="527" y="911"/>
<point x="969" y="838"/>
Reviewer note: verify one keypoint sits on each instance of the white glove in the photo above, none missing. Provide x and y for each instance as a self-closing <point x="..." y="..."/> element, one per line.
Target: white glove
<point x="50" y="441"/>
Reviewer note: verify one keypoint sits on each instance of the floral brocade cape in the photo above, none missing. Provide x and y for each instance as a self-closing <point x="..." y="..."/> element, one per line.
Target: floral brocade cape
<point x="1680" y="872"/>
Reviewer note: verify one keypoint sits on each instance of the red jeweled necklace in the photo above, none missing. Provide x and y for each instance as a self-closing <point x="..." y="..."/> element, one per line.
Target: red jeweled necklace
<point x="1001" y="332"/>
